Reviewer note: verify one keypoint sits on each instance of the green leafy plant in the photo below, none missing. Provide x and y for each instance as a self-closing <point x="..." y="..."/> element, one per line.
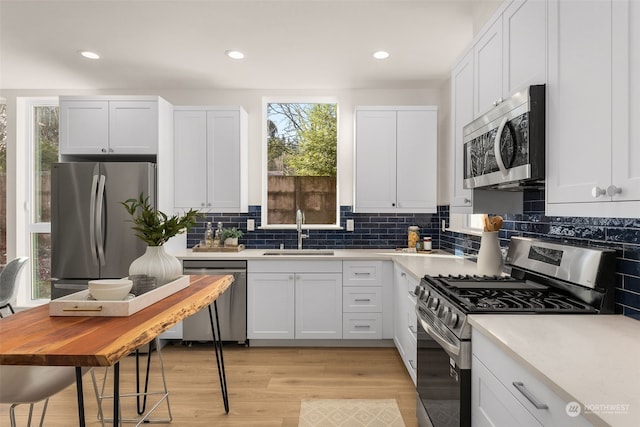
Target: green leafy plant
<point x="154" y="227"/>
<point x="228" y="233"/>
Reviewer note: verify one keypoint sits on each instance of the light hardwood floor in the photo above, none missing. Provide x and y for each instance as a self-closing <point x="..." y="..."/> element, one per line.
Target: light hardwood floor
<point x="265" y="385"/>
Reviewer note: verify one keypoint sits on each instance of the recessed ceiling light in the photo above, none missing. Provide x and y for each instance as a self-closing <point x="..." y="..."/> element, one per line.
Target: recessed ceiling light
<point x="381" y="54"/>
<point x="90" y="55"/>
<point x="234" y="54"/>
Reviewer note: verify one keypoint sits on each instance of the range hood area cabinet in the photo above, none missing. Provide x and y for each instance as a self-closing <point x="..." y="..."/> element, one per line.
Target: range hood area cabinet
<point x="396" y="159"/>
<point x="210" y="158"/>
<point x="114" y="125"/>
<point x="593" y="131"/>
<point x="508" y="54"/>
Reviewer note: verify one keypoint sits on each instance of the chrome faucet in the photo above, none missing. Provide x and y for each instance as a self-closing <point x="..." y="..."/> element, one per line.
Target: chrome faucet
<point x="299" y="222"/>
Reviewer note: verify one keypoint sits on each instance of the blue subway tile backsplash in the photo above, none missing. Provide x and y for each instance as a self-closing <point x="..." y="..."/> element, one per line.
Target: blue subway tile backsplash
<point x="388" y="231"/>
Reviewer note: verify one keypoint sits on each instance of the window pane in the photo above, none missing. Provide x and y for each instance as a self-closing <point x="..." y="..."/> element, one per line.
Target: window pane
<point x="302" y="162"/>
<point x="45" y="153"/>
<point x="3" y="183"/>
<point x="41" y="268"/>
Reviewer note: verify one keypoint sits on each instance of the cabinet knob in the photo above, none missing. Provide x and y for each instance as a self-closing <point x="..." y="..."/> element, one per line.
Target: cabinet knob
<point x="291" y="277"/>
<point x="612" y="190"/>
<point x="393" y="204"/>
<point x="597" y="192"/>
<point x="104" y="150"/>
<point x="467" y="201"/>
<point x="202" y="204"/>
<point x="111" y="150"/>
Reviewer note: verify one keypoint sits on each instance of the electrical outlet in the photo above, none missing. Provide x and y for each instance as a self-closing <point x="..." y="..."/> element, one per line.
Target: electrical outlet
<point x="444" y="225"/>
<point x="349" y="225"/>
<point x="251" y="225"/>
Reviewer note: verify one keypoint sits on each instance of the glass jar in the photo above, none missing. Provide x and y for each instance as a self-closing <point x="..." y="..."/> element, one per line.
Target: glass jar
<point x="426" y="243"/>
<point x="413" y="236"/>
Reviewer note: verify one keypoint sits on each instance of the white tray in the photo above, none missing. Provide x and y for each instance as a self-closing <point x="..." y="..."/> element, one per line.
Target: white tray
<point x="80" y="304"/>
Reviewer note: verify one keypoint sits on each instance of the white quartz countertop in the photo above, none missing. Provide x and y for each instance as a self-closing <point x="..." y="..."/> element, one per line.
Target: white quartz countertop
<point x="417" y="264"/>
<point x="590" y="359"/>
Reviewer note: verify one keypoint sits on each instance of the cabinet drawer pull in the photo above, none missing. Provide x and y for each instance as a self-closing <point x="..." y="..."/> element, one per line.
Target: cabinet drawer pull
<point x="412" y="329"/>
<point x="363" y="299"/>
<point x="362" y="326"/>
<point x="362" y="274"/>
<point x="526" y="393"/>
<point x="412" y="364"/>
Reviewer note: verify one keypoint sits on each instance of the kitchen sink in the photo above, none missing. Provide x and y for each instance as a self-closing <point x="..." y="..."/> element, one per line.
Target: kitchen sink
<point x="299" y="252"/>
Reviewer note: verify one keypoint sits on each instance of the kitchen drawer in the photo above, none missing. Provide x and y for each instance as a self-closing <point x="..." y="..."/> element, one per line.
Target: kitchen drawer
<point x="362" y="273"/>
<point x="362" y="299"/>
<point x="508" y="372"/>
<point x="362" y="326"/>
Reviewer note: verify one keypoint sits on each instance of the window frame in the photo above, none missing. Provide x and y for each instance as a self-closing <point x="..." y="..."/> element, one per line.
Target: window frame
<point x="264" y="159"/>
<point x="26" y="228"/>
<point x="462" y="223"/>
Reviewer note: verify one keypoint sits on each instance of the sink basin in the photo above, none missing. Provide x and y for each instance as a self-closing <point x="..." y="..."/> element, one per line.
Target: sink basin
<point x="299" y="252"/>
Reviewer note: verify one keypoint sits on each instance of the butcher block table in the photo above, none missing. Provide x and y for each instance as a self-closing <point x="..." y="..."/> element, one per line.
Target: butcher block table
<point x="88" y="341"/>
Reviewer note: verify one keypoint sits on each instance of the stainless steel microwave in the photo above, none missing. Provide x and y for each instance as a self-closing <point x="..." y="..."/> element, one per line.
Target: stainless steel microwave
<point x="504" y="148"/>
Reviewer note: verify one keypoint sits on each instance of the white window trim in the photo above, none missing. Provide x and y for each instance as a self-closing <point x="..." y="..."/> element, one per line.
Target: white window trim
<point x="460" y="223"/>
<point x="297" y="100"/>
<point x="24" y="192"/>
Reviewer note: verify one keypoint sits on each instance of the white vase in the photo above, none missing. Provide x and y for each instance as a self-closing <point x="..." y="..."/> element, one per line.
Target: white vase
<point x="490" y="257"/>
<point x="156" y="262"/>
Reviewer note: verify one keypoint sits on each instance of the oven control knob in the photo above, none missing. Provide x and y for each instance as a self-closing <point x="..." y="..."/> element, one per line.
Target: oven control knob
<point x="451" y="319"/>
<point x="424" y="296"/>
<point x="433" y="303"/>
<point x="444" y="312"/>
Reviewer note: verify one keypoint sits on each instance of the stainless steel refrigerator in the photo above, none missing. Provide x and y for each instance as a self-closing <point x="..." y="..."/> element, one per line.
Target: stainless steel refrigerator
<point x="91" y="235"/>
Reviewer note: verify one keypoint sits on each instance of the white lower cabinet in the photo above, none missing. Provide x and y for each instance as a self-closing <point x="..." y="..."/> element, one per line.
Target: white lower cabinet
<point x="504" y="393"/>
<point x="294" y="300"/>
<point x="405" y="320"/>
<point x="367" y="299"/>
<point x="318" y="305"/>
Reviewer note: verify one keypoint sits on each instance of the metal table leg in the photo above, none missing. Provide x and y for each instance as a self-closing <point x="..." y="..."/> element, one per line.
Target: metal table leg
<point x="81" y="420"/>
<point x="217" y="345"/>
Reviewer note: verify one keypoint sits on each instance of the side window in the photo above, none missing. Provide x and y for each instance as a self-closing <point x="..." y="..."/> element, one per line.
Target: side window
<point x="43" y="152"/>
<point x="301" y="147"/>
<point x="3" y="182"/>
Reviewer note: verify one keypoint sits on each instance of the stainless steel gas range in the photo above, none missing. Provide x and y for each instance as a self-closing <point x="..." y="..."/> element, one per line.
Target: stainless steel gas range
<point x="546" y="278"/>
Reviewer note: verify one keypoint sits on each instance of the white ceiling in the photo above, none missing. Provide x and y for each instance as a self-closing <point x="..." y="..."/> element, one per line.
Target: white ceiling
<point x="180" y="44"/>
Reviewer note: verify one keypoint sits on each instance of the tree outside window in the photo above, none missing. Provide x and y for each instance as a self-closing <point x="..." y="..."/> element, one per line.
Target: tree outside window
<point x="302" y="146"/>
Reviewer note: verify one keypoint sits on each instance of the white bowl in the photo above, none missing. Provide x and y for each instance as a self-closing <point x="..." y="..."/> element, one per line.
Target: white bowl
<point x="110" y="289"/>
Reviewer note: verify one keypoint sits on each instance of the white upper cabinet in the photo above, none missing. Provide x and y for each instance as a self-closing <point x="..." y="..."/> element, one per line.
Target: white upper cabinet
<point x="461" y="115"/>
<point x="593" y="143"/>
<point x="110" y="125"/>
<point x="510" y="54"/>
<point x="396" y="147"/>
<point x="487" y="59"/>
<point x="211" y="158"/>
<point x="524" y="42"/>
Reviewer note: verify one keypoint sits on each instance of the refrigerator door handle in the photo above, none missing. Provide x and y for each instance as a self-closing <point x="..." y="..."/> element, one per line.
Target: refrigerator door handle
<point x="98" y="224"/>
<point x="92" y="219"/>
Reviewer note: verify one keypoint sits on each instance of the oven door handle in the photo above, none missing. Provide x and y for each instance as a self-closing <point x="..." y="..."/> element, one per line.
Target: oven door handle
<point x="496" y="147"/>
<point x="446" y="344"/>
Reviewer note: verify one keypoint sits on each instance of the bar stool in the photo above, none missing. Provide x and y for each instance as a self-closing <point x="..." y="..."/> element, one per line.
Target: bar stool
<point x="140" y="395"/>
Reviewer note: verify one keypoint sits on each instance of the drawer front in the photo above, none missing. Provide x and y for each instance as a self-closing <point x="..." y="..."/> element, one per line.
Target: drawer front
<point x="362" y="326"/>
<point x="362" y="273"/>
<point x="362" y="299"/>
<point x="508" y="372"/>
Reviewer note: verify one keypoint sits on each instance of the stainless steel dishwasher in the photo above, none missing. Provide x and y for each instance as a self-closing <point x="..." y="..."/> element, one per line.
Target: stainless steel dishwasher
<point x="232" y="304"/>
